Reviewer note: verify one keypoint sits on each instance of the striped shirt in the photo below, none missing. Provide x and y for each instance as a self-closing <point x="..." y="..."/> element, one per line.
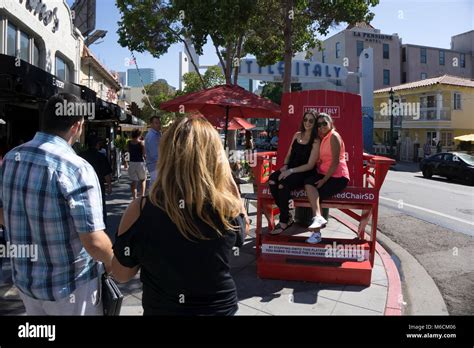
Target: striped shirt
<point x="49" y="196"/>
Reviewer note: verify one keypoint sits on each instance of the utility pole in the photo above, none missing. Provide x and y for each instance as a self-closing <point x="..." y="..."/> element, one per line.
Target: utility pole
<point x="391" y="121"/>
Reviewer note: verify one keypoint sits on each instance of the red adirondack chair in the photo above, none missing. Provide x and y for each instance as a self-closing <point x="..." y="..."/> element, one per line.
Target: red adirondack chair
<point x="289" y="257"/>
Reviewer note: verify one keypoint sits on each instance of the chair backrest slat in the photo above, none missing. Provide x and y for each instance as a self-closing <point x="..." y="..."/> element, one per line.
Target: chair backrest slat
<point x="345" y="109"/>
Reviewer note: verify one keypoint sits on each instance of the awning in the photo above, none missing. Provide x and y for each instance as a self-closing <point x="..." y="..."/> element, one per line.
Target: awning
<point x="467" y="137"/>
<point x="130" y="127"/>
<point x="27" y="81"/>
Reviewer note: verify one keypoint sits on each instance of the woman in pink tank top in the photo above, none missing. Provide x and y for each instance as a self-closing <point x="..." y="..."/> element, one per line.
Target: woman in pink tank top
<point x="332" y="176"/>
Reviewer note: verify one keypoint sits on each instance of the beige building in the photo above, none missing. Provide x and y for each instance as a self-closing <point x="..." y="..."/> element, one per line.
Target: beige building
<point x="432" y="110"/>
<point x="396" y="63"/>
<point x="345" y="47"/>
<point x="423" y="62"/>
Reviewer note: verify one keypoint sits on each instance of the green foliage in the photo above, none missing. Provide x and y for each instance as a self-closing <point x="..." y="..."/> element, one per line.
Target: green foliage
<point x="266" y="39"/>
<point x="158" y="92"/>
<point x="212" y="77"/>
<point x="120" y="142"/>
<point x="274" y="90"/>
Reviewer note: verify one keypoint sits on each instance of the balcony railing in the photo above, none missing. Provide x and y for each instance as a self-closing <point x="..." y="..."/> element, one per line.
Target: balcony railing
<point x="425" y="114"/>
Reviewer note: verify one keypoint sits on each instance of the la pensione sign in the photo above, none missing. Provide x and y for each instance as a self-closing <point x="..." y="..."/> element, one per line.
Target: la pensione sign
<point x="38" y="8"/>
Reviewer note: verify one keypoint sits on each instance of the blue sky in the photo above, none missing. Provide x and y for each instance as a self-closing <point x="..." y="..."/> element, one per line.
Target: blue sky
<point x="422" y="22"/>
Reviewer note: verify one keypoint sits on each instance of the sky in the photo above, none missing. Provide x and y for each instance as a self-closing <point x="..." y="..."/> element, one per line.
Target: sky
<point x="421" y="22"/>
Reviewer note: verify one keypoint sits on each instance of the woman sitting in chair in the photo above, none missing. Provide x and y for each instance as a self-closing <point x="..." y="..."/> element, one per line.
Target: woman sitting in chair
<point x="332" y="176"/>
<point x="298" y="166"/>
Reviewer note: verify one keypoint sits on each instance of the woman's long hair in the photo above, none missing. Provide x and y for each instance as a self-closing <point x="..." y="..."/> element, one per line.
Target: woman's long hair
<point x="314" y="130"/>
<point x="194" y="178"/>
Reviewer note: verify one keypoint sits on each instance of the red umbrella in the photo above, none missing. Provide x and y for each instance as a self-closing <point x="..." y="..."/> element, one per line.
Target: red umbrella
<point x="235" y="124"/>
<point x="224" y="101"/>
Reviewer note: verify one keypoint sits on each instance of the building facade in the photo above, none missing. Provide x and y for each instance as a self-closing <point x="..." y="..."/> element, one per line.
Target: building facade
<point x="345" y="47"/>
<point x="133" y="77"/>
<point x="431" y="111"/>
<point x="396" y="63"/>
<point x="39" y="56"/>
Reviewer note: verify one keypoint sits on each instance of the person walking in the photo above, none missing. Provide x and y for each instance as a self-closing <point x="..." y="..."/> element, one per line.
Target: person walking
<point x="181" y="235"/>
<point x="102" y="168"/>
<point x="136" y="164"/>
<point x="50" y="199"/>
<point x="152" y="141"/>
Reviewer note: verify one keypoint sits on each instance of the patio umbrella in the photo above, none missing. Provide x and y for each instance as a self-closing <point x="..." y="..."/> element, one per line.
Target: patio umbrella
<point x="467" y="137"/>
<point x="235" y="124"/>
<point x="224" y="102"/>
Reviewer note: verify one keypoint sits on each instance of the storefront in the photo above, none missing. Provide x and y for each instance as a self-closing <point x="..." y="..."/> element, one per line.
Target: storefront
<point x="39" y="56"/>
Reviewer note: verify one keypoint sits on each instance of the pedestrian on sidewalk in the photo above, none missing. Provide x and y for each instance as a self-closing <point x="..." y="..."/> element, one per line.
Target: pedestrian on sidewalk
<point x="427" y="149"/>
<point x="136" y="164"/>
<point x="181" y="234"/>
<point x="152" y="141"/>
<point x="102" y="168"/>
<point x="50" y="202"/>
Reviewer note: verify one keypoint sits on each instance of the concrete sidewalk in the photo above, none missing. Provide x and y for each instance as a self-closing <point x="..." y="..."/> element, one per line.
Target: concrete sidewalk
<point x="261" y="296"/>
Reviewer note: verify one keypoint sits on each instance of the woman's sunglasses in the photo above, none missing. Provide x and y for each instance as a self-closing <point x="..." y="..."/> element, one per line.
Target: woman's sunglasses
<point x="322" y="124"/>
<point x="308" y="120"/>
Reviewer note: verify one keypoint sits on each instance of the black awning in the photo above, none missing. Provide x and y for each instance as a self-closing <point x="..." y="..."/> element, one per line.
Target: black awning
<point x="27" y="81"/>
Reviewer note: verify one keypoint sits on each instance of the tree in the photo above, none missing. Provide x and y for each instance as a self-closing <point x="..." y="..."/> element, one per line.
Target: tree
<point x="274" y="90"/>
<point x="212" y="77"/>
<point x="158" y="92"/>
<point x="292" y="26"/>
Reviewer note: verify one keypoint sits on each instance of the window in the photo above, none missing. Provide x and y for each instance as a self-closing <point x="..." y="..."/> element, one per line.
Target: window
<point x="441" y="57"/>
<point x="360" y="47"/>
<point x="386" y="137"/>
<point x="428" y="102"/>
<point x="457" y="101"/>
<point x="446" y="138"/>
<point x="338" y="49"/>
<point x="423" y="55"/>
<point x="61" y="69"/>
<point x="463" y="60"/>
<point x="386" y="51"/>
<point x="386" y="77"/>
<point x="324" y="56"/>
<point x="404" y="54"/>
<point x="36" y="55"/>
<point x="11" y="40"/>
<point x="423" y="75"/>
<point x="448" y="157"/>
<point x="431" y="137"/>
<point x="24" y="47"/>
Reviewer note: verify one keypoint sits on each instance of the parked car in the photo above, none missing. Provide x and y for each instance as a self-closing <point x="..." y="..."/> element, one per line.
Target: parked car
<point x="452" y="165"/>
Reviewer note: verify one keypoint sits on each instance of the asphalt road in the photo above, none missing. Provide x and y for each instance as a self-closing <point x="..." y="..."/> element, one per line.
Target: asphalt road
<point x="437" y="200"/>
<point x="433" y="219"/>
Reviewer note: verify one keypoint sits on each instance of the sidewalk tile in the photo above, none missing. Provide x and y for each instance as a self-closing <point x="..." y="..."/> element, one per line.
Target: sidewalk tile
<point x="379" y="276"/>
<point x="302" y="303"/>
<point x="373" y="297"/>
<point x="346" y="309"/>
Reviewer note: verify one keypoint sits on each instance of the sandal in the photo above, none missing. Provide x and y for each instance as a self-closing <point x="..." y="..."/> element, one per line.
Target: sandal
<point x="278" y="229"/>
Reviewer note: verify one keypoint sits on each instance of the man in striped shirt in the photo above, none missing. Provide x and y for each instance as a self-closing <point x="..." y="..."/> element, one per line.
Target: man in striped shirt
<point x="50" y="198"/>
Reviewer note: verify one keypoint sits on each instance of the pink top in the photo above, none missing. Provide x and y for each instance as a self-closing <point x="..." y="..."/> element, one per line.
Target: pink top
<point x="326" y="158"/>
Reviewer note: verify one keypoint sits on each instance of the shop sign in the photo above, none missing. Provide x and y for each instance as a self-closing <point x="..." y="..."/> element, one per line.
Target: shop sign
<point x="39" y="9"/>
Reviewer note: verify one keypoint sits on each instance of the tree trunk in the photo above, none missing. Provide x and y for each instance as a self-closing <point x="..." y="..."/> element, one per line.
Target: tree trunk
<point x="228" y="64"/>
<point x="287" y="33"/>
<point x="236" y="69"/>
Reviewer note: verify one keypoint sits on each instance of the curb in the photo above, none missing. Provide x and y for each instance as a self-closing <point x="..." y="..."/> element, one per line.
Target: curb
<point x="394" y="295"/>
<point x="423" y="296"/>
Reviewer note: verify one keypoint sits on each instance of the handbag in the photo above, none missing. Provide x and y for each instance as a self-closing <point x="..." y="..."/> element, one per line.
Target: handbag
<point x="111" y="295"/>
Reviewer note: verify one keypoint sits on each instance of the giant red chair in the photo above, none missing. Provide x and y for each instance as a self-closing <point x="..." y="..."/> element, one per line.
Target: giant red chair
<point x="290" y="257"/>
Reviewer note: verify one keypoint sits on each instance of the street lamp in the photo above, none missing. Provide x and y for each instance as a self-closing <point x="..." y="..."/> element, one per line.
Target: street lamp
<point x="391" y="120"/>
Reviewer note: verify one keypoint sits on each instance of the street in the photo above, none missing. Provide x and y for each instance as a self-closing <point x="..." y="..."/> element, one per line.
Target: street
<point x="433" y="220"/>
<point x="436" y="200"/>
